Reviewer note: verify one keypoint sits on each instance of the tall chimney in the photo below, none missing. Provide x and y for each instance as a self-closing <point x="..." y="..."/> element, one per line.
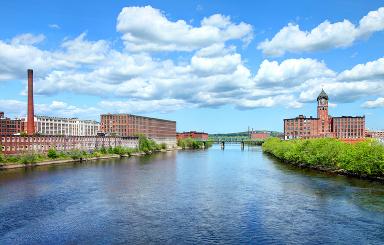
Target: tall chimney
<point x="31" y="113"/>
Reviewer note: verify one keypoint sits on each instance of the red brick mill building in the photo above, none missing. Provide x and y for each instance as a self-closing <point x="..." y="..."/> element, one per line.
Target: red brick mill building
<point x="10" y="126"/>
<point x="11" y="142"/>
<point x="193" y="135"/>
<point x="346" y="128"/>
<point x="127" y="125"/>
<point x="259" y="135"/>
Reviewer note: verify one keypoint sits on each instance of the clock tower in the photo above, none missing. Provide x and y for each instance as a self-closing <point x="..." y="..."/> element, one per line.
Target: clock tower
<point x="322" y="113"/>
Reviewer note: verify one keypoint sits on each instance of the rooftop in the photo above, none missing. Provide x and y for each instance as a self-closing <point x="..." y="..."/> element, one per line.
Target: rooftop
<point x="127" y="114"/>
<point x="322" y="95"/>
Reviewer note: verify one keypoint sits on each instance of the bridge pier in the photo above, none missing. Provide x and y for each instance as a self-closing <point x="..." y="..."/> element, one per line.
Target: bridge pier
<point x="242" y="145"/>
<point x="222" y="145"/>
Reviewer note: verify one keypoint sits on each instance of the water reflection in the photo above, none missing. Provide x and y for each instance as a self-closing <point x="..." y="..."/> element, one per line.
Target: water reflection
<point x="209" y="196"/>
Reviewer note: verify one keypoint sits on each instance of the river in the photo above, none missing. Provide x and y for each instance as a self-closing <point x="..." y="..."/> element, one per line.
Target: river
<point x="188" y="197"/>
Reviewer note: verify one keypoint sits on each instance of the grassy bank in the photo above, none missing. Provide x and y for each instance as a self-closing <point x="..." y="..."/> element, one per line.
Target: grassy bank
<point x="30" y="158"/>
<point x="254" y="142"/>
<point x="145" y="146"/>
<point x="361" y="159"/>
<point x="190" y="143"/>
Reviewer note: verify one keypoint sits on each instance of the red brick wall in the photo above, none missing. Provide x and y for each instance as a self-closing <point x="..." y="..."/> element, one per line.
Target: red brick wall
<point x="193" y="135"/>
<point x="11" y="126"/>
<point x="324" y="122"/>
<point x="301" y="127"/>
<point x="349" y="127"/>
<point x="346" y="127"/>
<point x="352" y="141"/>
<point x="41" y="144"/>
<point x="131" y="125"/>
<point x="259" y="135"/>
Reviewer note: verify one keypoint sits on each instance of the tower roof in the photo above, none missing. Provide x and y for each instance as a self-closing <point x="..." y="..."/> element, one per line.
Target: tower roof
<point x="322" y="95"/>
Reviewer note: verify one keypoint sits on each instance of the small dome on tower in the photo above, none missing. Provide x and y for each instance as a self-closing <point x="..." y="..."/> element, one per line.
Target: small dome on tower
<point x="322" y="95"/>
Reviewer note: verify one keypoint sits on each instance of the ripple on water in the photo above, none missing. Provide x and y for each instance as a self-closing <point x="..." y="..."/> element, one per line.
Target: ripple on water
<point x="205" y="197"/>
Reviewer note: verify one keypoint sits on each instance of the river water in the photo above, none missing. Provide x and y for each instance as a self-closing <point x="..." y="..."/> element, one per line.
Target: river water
<point x="188" y="197"/>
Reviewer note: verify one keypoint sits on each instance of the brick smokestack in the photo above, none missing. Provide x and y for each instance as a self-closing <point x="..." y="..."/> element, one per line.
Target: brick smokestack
<point x="31" y="113"/>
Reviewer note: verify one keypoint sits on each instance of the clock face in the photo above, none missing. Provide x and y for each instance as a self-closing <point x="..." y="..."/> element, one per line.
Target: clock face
<point x="323" y="101"/>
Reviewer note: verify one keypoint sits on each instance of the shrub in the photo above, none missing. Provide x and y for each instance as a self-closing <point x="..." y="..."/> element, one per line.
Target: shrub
<point x="163" y="146"/>
<point x="96" y="154"/>
<point x="147" y="145"/>
<point x="103" y="150"/>
<point x="76" y="154"/>
<point x="119" y="150"/>
<point x="129" y="151"/>
<point x="362" y="158"/>
<point x="62" y="154"/>
<point x="52" y="153"/>
<point x="110" y="150"/>
<point x="12" y="159"/>
<point x="190" y="143"/>
<point x="28" y="158"/>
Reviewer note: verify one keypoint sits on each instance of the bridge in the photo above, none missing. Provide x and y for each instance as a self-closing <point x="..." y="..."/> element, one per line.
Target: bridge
<point x="242" y="140"/>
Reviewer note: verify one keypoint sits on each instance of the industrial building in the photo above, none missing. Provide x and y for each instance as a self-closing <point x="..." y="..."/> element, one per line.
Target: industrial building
<point x="127" y="125"/>
<point x="45" y="125"/>
<point x="347" y="128"/>
<point x="259" y="135"/>
<point x="10" y="126"/>
<point x="193" y="135"/>
<point x="44" y="133"/>
<point x="375" y="134"/>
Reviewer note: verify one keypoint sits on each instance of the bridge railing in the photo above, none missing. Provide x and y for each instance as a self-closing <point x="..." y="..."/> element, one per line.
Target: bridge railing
<point x="233" y="140"/>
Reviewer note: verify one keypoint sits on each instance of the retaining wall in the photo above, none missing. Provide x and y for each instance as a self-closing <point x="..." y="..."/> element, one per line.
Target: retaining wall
<point x="41" y="144"/>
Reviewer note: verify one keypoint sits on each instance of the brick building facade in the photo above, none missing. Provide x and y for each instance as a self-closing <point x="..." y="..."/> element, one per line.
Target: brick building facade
<point x="193" y="135"/>
<point x="41" y="144"/>
<point x="378" y="135"/>
<point x="347" y="128"/>
<point x="10" y="126"/>
<point x="160" y="130"/>
<point x="259" y="135"/>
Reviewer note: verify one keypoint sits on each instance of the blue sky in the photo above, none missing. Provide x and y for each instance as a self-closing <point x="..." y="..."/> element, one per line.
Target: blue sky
<point x="215" y="66"/>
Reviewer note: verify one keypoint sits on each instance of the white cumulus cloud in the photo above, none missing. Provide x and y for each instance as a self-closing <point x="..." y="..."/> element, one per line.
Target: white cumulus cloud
<point x="370" y="70"/>
<point x="148" y="29"/>
<point x="325" y="36"/>
<point x="379" y="102"/>
<point x="212" y="74"/>
<point x="27" y="39"/>
<point x="290" y="72"/>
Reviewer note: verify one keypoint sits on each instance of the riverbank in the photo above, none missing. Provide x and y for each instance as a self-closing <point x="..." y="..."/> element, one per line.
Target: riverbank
<point x="363" y="160"/>
<point x="193" y="144"/>
<point x="146" y="146"/>
<point x="6" y="166"/>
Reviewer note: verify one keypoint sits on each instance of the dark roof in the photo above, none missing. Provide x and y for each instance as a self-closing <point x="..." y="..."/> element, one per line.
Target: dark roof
<point x="302" y="117"/>
<point x="127" y="114"/>
<point x="322" y="95"/>
<point x="350" y="117"/>
<point x="191" y="132"/>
